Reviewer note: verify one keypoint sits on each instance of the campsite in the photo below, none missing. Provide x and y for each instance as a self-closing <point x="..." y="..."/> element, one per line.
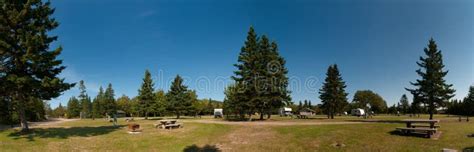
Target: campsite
<point x="210" y="134"/>
<point x="237" y="76"/>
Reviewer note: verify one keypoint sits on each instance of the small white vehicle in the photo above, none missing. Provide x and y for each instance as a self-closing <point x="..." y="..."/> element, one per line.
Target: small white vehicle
<point x="218" y="113"/>
<point x="358" y="112"/>
<point x="285" y="111"/>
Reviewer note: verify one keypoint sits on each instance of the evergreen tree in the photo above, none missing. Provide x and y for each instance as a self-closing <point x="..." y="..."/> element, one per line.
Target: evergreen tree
<point x="145" y="95"/>
<point x="469" y="102"/>
<point x="332" y="94"/>
<point x="178" y="97"/>
<point x="404" y="104"/>
<point x="262" y="73"/>
<point x="110" y="106"/>
<point x="73" y="108"/>
<point x="98" y="104"/>
<point x="85" y="100"/>
<point x="233" y="103"/>
<point x="159" y="104"/>
<point x="432" y="89"/>
<point x="29" y="69"/>
<point x="247" y="74"/>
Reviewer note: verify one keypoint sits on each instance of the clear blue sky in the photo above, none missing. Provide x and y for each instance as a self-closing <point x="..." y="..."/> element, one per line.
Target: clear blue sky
<point x="375" y="43"/>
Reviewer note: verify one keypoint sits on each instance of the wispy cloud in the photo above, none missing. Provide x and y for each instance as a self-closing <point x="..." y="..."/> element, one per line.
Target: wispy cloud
<point x="147" y="13"/>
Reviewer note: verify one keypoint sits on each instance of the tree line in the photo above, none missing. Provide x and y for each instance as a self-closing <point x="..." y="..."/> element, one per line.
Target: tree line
<point x="149" y="102"/>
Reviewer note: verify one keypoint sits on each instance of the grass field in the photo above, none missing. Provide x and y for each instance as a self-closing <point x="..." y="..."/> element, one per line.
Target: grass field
<point x="99" y="135"/>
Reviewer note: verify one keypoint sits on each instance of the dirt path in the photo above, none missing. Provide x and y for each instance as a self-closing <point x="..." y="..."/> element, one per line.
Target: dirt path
<point x="270" y="123"/>
<point x="48" y="123"/>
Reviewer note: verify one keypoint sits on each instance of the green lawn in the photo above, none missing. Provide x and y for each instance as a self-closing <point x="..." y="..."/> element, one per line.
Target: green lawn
<point x="98" y="135"/>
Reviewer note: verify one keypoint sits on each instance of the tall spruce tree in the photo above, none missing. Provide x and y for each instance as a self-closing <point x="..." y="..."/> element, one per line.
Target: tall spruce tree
<point x="28" y="68"/>
<point x="275" y="81"/>
<point x="110" y="106"/>
<point x="178" y="97"/>
<point x="262" y="73"/>
<point x="332" y="94"/>
<point x="247" y="73"/>
<point x="98" y="104"/>
<point x="432" y="89"/>
<point x="84" y="100"/>
<point x="469" y="102"/>
<point x="146" y="96"/>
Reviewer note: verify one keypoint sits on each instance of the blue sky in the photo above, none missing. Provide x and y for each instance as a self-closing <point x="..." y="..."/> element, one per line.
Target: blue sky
<point x="375" y="43"/>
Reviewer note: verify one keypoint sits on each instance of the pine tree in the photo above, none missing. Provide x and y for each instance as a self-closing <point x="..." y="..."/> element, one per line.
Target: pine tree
<point x="247" y="73"/>
<point x="159" y="104"/>
<point x="145" y="95"/>
<point x="97" y="104"/>
<point x="29" y="69"/>
<point x="73" y="108"/>
<point x="468" y="107"/>
<point x="110" y="106"/>
<point x="404" y="104"/>
<point x="432" y="89"/>
<point x="262" y="73"/>
<point x="233" y="103"/>
<point x="277" y="80"/>
<point x="332" y="94"/>
<point x="178" y="97"/>
<point x="85" y="100"/>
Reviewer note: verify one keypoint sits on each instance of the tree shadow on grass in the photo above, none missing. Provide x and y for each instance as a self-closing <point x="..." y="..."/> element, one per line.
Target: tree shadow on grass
<point x="468" y="149"/>
<point x="375" y="120"/>
<point x="398" y="133"/>
<point x="205" y="148"/>
<point x="63" y="133"/>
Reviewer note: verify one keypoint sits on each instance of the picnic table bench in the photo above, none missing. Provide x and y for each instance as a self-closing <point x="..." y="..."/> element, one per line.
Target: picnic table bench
<point x="420" y="126"/>
<point x="428" y="131"/>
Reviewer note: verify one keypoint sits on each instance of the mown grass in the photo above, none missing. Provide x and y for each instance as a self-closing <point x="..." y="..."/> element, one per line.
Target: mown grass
<point x="99" y="135"/>
<point x="376" y="137"/>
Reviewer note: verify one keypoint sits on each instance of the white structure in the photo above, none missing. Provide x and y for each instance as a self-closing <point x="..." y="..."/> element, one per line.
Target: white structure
<point x="285" y="111"/>
<point x="218" y="113"/>
<point x="357" y="112"/>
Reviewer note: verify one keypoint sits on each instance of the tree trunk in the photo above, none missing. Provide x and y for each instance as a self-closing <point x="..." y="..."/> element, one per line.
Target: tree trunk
<point x="261" y="116"/>
<point x="269" y="115"/>
<point x="177" y="115"/>
<point x="146" y="115"/>
<point x="23" y="122"/>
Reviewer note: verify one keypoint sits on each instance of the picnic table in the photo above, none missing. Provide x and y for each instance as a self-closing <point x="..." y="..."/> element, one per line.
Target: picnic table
<point x="420" y="125"/>
<point x="410" y="123"/>
<point x="168" y="124"/>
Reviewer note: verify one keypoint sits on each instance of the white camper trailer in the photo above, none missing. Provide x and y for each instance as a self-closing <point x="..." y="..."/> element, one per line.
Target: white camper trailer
<point x="285" y="111"/>
<point x="357" y="112"/>
<point x="218" y="113"/>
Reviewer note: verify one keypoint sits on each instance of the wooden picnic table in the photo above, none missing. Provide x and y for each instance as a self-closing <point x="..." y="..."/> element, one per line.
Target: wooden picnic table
<point x="410" y="122"/>
<point x="166" y="122"/>
<point x="428" y="129"/>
